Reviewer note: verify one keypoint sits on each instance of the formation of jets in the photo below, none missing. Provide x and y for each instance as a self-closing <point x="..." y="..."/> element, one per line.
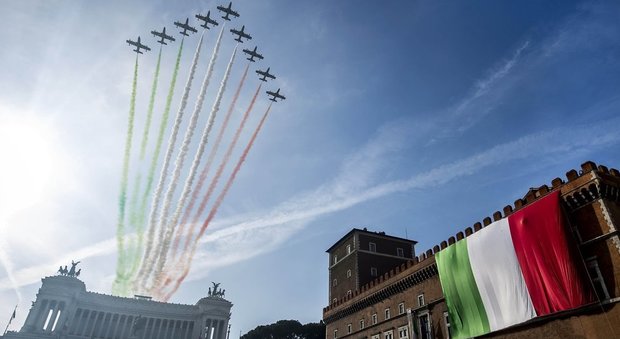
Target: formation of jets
<point x="253" y="54"/>
<point x="240" y="34"/>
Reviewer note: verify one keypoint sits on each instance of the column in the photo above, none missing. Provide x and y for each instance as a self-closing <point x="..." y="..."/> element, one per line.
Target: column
<point x="32" y="321"/>
<point x="215" y="331"/>
<point x="50" y="320"/>
<point x="175" y="323"/>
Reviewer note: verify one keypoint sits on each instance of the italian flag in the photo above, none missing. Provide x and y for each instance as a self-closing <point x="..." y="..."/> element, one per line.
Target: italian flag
<point x="511" y="271"/>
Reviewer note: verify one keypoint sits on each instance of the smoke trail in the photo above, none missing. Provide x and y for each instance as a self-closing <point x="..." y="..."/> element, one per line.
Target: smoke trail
<point x="120" y="229"/>
<point x="164" y="226"/>
<point x="220" y="170"/>
<point x="147" y="262"/>
<point x="205" y="171"/>
<point x="149" y="114"/>
<point x="153" y="166"/>
<point x="218" y="202"/>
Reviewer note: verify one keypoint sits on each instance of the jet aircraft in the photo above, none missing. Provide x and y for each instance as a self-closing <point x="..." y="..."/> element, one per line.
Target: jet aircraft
<point x="163" y="36"/>
<point x="241" y="34"/>
<point x="275" y="95"/>
<point x="138" y="45"/>
<point x="263" y="75"/>
<point x="185" y="26"/>
<point x="228" y="10"/>
<point x="207" y="20"/>
<point x="253" y="54"/>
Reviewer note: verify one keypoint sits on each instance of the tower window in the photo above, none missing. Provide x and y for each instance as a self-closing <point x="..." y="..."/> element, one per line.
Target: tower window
<point x="362" y="324"/>
<point x="374" y="318"/>
<point x="421" y="300"/>
<point x="335" y="282"/>
<point x="372" y="247"/>
<point x="348" y="249"/>
<point x="348" y="273"/>
<point x="373" y="271"/>
<point x="349" y="328"/>
<point x="335" y="259"/>
<point x="400" y="252"/>
<point x="401" y="308"/>
<point x="387" y="313"/>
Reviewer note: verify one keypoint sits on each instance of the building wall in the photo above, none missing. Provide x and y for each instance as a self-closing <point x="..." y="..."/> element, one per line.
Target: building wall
<point x="591" y="199"/>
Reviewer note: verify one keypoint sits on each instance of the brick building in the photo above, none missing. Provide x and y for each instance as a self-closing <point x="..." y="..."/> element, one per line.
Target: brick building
<point x="406" y="299"/>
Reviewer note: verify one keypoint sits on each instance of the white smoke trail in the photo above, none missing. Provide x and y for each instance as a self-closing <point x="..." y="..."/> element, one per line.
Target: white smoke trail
<point x="148" y="260"/>
<point x="164" y="224"/>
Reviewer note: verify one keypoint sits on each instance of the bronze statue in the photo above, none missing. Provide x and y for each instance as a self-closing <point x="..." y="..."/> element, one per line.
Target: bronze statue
<point x="72" y="270"/>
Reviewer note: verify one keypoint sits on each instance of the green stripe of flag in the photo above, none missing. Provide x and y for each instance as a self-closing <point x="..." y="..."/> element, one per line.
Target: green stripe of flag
<point x="468" y="317"/>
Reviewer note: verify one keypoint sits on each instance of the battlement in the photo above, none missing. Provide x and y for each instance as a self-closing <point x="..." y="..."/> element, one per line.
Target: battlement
<point x="580" y="188"/>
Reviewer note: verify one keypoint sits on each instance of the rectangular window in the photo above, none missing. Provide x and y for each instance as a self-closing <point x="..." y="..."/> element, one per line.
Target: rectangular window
<point x="403" y="332"/>
<point x="348" y="249"/>
<point x="349" y="329"/>
<point x="425" y="328"/>
<point x="348" y="273"/>
<point x="362" y="324"/>
<point x="400" y="252"/>
<point x="373" y="271"/>
<point x="421" y="300"/>
<point x="401" y="308"/>
<point x="372" y="247"/>
<point x="335" y="259"/>
<point x="335" y="282"/>
<point x="388" y="335"/>
<point x="446" y="320"/>
<point x="374" y="318"/>
<point x="376" y="336"/>
<point x="387" y="313"/>
<point x="597" y="279"/>
<point x="335" y="334"/>
<point x="348" y="293"/>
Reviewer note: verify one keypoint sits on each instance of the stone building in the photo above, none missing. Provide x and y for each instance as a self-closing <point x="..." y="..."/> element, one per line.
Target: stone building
<point x="65" y="309"/>
<point x="407" y="301"/>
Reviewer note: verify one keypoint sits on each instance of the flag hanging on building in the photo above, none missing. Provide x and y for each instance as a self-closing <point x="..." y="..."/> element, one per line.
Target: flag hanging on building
<point x="513" y="270"/>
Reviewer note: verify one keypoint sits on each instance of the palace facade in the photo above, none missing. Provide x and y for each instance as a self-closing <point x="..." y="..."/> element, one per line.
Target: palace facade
<point x="65" y="309"/>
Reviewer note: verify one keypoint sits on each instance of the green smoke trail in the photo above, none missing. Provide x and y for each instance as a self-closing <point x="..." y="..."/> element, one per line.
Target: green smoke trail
<point x="151" y="172"/>
<point x="149" y="114"/>
<point x="120" y="229"/>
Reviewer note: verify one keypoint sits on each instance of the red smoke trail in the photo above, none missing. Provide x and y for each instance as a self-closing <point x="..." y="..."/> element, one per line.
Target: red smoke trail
<point x="220" y="170"/>
<point x="217" y="204"/>
<point x="205" y="171"/>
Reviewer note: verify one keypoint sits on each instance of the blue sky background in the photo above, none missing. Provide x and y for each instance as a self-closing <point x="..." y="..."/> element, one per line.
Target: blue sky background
<point x="409" y="117"/>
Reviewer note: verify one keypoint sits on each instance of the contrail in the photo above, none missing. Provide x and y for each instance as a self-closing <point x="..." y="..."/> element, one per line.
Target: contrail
<point x="149" y="114"/>
<point x="220" y="170"/>
<point x="120" y="229"/>
<point x="218" y="202"/>
<point x="168" y="227"/>
<point x="148" y="260"/>
<point x="205" y="171"/>
<point x="8" y="267"/>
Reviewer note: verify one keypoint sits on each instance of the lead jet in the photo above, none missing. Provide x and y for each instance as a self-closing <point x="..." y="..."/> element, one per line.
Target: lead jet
<point x="228" y="10"/>
<point x="207" y="20"/>
<point x="241" y="34"/>
<point x="275" y="95"/>
<point x="138" y="45"/>
<point x="265" y="75"/>
<point x="253" y="54"/>
<point x="163" y="36"/>
<point x="185" y="26"/>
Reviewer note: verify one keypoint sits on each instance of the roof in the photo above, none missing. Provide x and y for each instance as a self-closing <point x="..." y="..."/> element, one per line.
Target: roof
<point x="365" y="231"/>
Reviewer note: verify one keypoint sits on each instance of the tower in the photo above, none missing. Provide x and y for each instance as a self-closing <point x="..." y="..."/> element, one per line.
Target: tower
<point x="360" y="256"/>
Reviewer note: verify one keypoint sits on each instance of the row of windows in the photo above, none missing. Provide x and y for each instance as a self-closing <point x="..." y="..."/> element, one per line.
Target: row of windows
<point x="424" y="328"/>
<point x="386" y="314"/>
<point x="372" y="247"/>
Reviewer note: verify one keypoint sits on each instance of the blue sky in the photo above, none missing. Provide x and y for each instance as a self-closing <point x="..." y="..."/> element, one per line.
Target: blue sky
<point x="405" y="116"/>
